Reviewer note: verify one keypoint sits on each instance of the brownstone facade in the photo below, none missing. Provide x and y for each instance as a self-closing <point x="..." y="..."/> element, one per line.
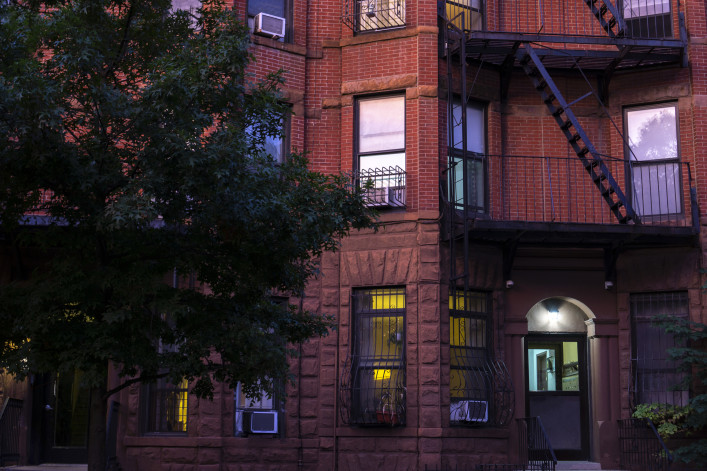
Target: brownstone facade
<point x="530" y="242"/>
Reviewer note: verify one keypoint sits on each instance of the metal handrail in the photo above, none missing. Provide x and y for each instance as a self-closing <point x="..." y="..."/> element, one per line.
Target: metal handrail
<point x="641" y="448"/>
<point x="559" y="190"/>
<point x="534" y="445"/>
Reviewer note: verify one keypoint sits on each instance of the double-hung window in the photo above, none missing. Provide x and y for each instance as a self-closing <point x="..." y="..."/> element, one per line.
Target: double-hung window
<point x="276" y="145"/>
<point x="378" y="357"/>
<point x="648" y="18"/>
<point x="380" y="148"/>
<point x="256" y="416"/>
<point x="653" y="155"/>
<point x="467" y="175"/>
<point x="654" y="377"/>
<point x="470" y="388"/>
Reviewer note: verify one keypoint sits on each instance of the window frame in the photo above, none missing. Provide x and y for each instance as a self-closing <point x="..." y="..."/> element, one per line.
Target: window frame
<point x="360" y="16"/>
<point x="678" y="300"/>
<point x="357" y="130"/>
<point x="289" y="30"/>
<point x="648" y="25"/>
<point x="475" y="359"/>
<point x="457" y="154"/>
<point x="151" y="422"/>
<point x="633" y="164"/>
<point x="388" y="409"/>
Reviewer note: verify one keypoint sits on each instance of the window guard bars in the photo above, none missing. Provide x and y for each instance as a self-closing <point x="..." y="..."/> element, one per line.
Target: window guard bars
<point x="382" y="187"/>
<point x="373" y="15"/>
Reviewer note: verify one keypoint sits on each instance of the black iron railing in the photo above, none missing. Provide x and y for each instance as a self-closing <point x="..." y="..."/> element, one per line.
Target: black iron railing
<point x="382" y="187"/>
<point x="559" y="190"/>
<point x="373" y="15"/>
<point x="641" y="448"/>
<point x="534" y="446"/>
<point x="637" y="19"/>
<point x="10" y="416"/>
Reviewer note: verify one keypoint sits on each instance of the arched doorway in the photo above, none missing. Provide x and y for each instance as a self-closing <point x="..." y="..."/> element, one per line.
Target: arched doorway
<point x="556" y="373"/>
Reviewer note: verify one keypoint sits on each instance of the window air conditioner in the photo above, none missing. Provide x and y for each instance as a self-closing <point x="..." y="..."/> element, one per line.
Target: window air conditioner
<point x="384" y="196"/>
<point x="469" y="411"/>
<point x="269" y="25"/>
<point x="260" y="421"/>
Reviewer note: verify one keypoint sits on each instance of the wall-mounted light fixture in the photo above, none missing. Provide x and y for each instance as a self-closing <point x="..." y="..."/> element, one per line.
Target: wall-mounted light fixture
<point x="554" y="315"/>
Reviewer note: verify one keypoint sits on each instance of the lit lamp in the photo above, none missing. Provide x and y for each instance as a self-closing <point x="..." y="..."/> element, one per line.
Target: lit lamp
<point x="554" y="315"/>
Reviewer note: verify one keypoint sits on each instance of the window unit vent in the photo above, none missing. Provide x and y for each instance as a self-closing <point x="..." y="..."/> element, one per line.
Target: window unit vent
<point x="260" y="422"/>
<point x="469" y="411"/>
<point x="269" y="25"/>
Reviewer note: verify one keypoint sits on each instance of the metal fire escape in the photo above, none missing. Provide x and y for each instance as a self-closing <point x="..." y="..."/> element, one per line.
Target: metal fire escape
<point x="610" y="43"/>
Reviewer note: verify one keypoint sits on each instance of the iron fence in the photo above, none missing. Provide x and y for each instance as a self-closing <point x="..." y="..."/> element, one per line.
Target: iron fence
<point x="637" y="19"/>
<point x="559" y="190"/>
<point x="10" y="416"/>
<point x="641" y="448"/>
<point x="534" y="445"/>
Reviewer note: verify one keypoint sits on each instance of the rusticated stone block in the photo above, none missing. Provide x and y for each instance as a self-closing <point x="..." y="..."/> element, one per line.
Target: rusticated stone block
<point x="399" y="445"/>
<point x="209" y="426"/>
<point x="429" y="333"/>
<point x="178" y="455"/>
<point x="429" y="397"/>
<point x="429" y="375"/>
<point x="429" y="354"/>
<point x="430" y="418"/>
<point x="430" y="445"/>
<point x="309" y="427"/>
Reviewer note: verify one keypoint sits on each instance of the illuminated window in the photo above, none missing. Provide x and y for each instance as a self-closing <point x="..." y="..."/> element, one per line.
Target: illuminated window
<point x="469" y="346"/>
<point x="379" y="14"/>
<point x="466" y="15"/>
<point x="166" y="407"/>
<point x="378" y="357"/>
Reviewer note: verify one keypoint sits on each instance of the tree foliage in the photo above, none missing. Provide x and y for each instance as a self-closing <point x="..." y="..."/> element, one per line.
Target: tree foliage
<point x="162" y="225"/>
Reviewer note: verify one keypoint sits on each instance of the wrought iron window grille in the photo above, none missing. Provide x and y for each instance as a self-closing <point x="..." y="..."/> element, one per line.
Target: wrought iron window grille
<point x="373" y="15"/>
<point x="382" y="187"/>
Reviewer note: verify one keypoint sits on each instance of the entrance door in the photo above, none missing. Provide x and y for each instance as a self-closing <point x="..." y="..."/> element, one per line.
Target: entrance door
<point x="556" y="391"/>
<point x="65" y="412"/>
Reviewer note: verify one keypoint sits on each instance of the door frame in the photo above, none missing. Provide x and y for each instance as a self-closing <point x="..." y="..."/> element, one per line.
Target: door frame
<point x="582" y="357"/>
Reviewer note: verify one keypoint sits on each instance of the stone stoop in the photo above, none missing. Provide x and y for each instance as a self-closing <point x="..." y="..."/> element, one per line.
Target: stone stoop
<point x="579" y="466"/>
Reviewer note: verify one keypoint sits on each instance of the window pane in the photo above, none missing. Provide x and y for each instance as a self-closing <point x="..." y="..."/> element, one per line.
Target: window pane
<point x="167" y="407"/>
<point x="379" y="14"/>
<point x="382" y="124"/>
<point x="271" y="7"/>
<point x="652" y="133"/>
<point x="185" y="4"/>
<point x="657" y="189"/>
<point x="637" y="8"/>
<point x="382" y="161"/>
<point x="475" y="128"/>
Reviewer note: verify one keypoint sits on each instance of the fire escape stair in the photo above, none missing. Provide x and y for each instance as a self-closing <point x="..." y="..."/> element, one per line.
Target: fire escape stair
<point x="613" y="24"/>
<point x="576" y="136"/>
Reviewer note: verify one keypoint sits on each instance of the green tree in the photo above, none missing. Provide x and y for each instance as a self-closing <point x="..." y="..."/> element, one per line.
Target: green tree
<point x="131" y="148"/>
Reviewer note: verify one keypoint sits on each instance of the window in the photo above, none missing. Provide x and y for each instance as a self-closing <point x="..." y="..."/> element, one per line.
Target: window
<point x="648" y="18"/>
<point x="279" y="8"/>
<point x="653" y="156"/>
<point x="466" y="15"/>
<point x="380" y="147"/>
<point x="468" y="166"/>
<point x="379" y="14"/>
<point x="378" y="357"/>
<point x="166" y="407"/>
<point x="470" y="385"/>
<point x="275" y="145"/>
<point x="653" y="375"/>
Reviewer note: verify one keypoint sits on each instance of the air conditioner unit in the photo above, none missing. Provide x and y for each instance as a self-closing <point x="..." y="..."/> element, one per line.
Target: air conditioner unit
<point x="385" y="196"/>
<point x="260" y="421"/>
<point x="269" y="25"/>
<point x="469" y="411"/>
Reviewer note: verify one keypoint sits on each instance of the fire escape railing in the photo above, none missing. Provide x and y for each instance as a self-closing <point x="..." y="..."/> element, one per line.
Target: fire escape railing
<point x="10" y="415"/>
<point x="630" y="19"/>
<point x="557" y="190"/>
<point x="641" y="448"/>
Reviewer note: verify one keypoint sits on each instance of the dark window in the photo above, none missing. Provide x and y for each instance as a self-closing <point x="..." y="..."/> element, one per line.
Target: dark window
<point x="380" y="148"/>
<point x="468" y="156"/>
<point x="275" y="145"/>
<point x="470" y="384"/>
<point x="378" y="357"/>
<point x="653" y="154"/>
<point x="166" y="407"/>
<point x="654" y="376"/>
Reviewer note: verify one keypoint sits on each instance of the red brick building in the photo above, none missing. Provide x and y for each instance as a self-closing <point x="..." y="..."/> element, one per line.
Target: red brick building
<point x="537" y="170"/>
